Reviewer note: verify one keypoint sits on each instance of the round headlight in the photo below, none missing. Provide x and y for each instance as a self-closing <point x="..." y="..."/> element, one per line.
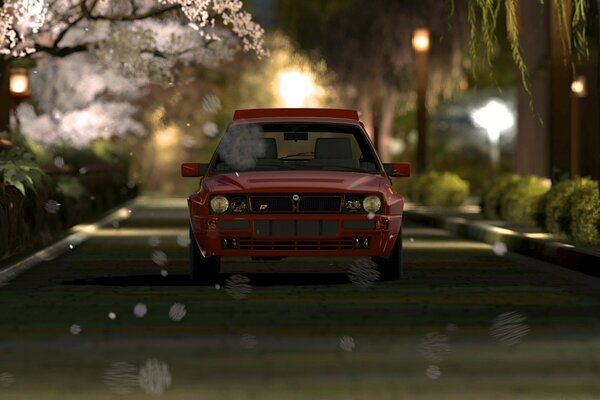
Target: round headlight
<point x="219" y="204"/>
<point x="371" y="203"/>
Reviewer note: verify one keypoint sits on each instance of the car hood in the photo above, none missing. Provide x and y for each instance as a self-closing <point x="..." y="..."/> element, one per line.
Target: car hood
<point x="285" y="181"/>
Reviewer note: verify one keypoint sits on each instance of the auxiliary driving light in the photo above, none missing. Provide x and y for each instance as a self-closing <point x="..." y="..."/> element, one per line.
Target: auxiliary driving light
<point x="229" y="243"/>
<point x="361" y="243"/>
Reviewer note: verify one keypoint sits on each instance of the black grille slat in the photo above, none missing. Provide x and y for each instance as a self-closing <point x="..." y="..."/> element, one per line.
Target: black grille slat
<point x="264" y="204"/>
<point x="319" y="204"/>
<point x="298" y="228"/>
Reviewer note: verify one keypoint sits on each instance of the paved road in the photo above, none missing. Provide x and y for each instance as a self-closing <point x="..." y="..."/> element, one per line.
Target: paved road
<point x="463" y="323"/>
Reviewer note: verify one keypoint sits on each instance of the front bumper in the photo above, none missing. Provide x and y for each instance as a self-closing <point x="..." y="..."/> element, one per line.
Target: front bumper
<point x="296" y="235"/>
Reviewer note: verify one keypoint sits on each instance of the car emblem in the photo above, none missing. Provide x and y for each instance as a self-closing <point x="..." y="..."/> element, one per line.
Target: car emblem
<point x="296" y="197"/>
<point x="264" y="206"/>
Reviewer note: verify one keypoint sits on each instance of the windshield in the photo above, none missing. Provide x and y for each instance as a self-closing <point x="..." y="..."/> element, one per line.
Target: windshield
<point x="284" y="146"/>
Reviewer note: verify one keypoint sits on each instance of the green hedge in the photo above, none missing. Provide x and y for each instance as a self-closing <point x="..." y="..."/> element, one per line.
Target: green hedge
<point x="439" y="189"/>
<point x="492" y="195"/>
<point x="572" y="208"/>
<point x="522" y="199"/>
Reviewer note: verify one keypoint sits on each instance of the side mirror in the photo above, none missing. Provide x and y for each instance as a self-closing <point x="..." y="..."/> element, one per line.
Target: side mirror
<point x="192" y="170"/>
<point x="398" y="170"/>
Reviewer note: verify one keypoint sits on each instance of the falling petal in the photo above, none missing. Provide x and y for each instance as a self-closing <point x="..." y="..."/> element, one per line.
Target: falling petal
<point x="347" y="343"/>
<point x="75" y="329"/>
<point x="177" y="312"/>
<point x="433" y="372"/>
<point x="140" y="310"/>
<point x="154" y="376"/>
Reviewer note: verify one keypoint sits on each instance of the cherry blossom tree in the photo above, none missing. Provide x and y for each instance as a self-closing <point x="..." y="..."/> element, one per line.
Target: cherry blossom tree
<point x="95" y="56"/>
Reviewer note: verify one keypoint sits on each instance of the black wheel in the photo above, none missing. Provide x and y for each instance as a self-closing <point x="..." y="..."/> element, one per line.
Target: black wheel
<point x="202" y="269"/>
<point x="390" y="269"/>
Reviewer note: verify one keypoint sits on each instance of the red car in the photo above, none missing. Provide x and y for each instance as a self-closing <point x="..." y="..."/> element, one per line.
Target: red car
<point x="295" y="182"/>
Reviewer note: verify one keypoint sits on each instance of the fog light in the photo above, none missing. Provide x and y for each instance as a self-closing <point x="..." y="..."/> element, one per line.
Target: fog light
<point x="361" y="243"/>
<point x="229" y="243"/>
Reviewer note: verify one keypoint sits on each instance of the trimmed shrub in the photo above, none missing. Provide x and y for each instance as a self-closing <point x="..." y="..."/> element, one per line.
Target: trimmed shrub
<point x="520" y="203"/>
<point x="439" y="189"/>
<point x="572" y="208"/>
<point x="557" y="205"/>
<point x="490" y="200"/>
<point x="585" y="213"/>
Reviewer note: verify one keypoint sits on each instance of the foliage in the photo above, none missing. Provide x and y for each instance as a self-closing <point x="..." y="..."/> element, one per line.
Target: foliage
<point x="492" y="195"/>
<point x="585" y="213"/>
<point x="520" y="201"/>
<point x="439" y="189"/>
<point x="571" y="208"/>
<point x="18" y="168"/>
<point x="374" y="67"/>
<point x="483" y="21"/>
<point x="70" y="187"/>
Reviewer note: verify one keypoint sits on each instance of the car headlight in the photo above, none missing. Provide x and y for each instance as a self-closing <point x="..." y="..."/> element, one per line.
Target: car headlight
<point x="238" y="205"/>
<point x="219" y="204"/>
<point x="371" y="203"/>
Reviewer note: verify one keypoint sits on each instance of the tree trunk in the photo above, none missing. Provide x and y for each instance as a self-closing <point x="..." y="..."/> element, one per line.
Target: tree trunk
<point x="4" y="96"/>
<point x="386" y="126"/>
<point x="561" y="77"/>
<point x="533" y="136"/>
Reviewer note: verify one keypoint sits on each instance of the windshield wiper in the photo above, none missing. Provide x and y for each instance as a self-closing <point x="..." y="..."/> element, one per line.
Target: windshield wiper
<point x="343" y="168"/>
<point x="304" y="153"/>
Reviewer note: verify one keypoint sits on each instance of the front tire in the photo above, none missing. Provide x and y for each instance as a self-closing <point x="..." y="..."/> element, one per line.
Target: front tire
<point x="202" y="269"/>
<point x="390" y="269"/>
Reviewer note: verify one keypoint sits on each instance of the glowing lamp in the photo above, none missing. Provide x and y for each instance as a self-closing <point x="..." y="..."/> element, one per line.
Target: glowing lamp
<point x="579" y="86"/>
<point x="295" y="88"/>
<point x="19" y="82"/>
<point x="420" y="40"/>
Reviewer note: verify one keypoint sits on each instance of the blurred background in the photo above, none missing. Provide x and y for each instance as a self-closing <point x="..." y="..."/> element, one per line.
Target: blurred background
<point x="477" y="90"/>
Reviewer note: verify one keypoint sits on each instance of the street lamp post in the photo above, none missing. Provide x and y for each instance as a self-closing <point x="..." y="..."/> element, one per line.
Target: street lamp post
<point x="18" y="86"/>
<point x="4" y="96"/>
<point x="495" y="118"/>
<point x="578" y="92"/>
<point x="420" y="43"/>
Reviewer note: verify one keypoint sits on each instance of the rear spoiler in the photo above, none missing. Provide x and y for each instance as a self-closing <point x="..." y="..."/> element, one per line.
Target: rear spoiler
<point x="296" y="113"/>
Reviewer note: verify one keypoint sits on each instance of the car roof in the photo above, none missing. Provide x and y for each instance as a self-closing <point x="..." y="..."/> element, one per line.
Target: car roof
<point x="293" y="113"/>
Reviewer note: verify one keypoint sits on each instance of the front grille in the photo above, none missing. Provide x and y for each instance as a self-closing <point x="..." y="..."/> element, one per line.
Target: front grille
<point x="319" y="204"/>
<point x="262" y="244"/>
<point x="270" y="204"/>
<point x="283" y="203"/>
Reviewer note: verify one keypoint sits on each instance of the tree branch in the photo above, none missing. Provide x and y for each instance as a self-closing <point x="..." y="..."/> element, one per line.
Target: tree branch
<point x="61" y="51"/>
<point x="133" y="17"/>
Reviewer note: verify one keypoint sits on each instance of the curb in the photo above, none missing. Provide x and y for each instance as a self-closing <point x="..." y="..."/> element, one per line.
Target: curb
<point x="75" y="236"/>
<point x="562" y="254"/>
